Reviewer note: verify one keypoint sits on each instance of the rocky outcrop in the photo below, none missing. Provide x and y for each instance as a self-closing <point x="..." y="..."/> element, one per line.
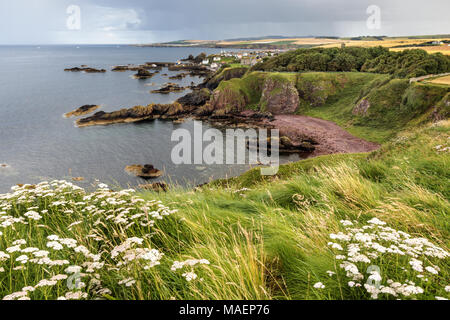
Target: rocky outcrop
<point x="147" y="171"/>
<point x="193" y="69"/>
<point x="143" y="74"/>
<point x="123" y="68"/>
<point x="227" y="101"/>
<point x="286" y="145"/>
<point x="81" y="111"/>
<point x="195" y="98"/>
<point x="362" y="107"/>
<point x="279" y="97"/>
<point x="179" y="76"/>
<point x="167" y="111"/>
<point x="169" y="87"/>
<point x="85" y="69"/>
<point x="135" y="114"/>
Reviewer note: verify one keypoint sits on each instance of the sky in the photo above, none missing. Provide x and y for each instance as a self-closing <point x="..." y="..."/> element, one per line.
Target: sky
<point x="149" y="21"/>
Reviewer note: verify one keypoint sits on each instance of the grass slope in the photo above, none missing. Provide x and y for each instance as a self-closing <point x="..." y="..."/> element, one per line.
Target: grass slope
<point x="395" y="104"/>
<point x="250" y="237"/>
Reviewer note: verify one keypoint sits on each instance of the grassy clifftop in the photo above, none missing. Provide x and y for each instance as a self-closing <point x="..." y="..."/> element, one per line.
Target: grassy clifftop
<point x="371" y="106"/>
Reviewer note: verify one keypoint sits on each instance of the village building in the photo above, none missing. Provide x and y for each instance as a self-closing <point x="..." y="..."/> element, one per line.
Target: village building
<point x="249" y="61"/>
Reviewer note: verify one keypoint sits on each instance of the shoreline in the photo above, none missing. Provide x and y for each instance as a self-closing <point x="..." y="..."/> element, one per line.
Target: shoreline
<point x="330" y="137"/>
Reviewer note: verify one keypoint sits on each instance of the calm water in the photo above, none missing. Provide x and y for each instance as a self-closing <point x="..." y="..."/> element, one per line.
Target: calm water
<point x="39" y="144"/>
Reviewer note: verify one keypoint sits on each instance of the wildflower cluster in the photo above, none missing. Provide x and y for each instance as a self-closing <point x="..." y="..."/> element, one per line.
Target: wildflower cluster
<point x="189" y="275"/>
<point x="382" y="262"/>
<point x="59" y="242"/>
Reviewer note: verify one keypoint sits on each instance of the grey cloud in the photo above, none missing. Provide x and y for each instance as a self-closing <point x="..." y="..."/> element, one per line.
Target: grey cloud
<point x="151" y="20"/>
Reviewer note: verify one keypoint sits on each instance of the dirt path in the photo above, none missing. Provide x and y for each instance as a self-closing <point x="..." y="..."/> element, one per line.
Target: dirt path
<point x="330" y="137"/>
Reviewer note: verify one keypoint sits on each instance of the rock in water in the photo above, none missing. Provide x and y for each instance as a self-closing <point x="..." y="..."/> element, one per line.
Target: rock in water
<point x="195" y="98"/>
<point x="169" y="87"/>
<point x="143" y="74"/>
<point x="85" y="69"/>
<point x="81" y="111"/>
<point x="147" y="171"/>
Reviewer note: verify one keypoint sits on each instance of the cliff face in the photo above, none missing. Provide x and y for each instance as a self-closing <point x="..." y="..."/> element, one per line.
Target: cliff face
<point x="278" y="93"/>
<point x="352" y="99"/>
<point x="279" y="97"/>
<point x="228" y="100"/>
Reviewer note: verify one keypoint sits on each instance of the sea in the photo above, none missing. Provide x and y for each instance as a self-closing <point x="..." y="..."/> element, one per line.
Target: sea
<point x="38" y="144"/>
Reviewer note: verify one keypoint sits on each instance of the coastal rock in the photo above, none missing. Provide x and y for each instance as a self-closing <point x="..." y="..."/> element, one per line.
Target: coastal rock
<point x="256" y="115"/>
<point x="204" y="110"/>
<point x="138" y="113"/>
<point x="143" y="74"/>
<point x="147" y="171"/>
<point x="279" y="97"/>
<point x="135" y="114"/>
<point x="193" y="69"/>
<point x="286" y="145"/>
<point x="157" y="186"/>
<point x="169" y="87"/>
<point x="362" y="107"/>
<point x="81" y="111"/>
<point x="85" y="69"/>
<point x="195" y="98"/>
<point x="179" y="121"/>
<point x="179" y="76"/>
<point x="120" y="68"/>
<point x="3" y="165"/>
<point x="166" y="111"/>
<point x="227" y="101"/>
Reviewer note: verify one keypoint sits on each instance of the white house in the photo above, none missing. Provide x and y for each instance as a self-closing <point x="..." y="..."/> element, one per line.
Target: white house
<point x="214" y="66"/>
<point x="217" y="59"/>
<point x="205" y="62"/>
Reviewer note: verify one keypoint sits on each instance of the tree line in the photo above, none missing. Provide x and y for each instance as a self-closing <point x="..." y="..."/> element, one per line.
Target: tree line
<point x="403" y="64"/>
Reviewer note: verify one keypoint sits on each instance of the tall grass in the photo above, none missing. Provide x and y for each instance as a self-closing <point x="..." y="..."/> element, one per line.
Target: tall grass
<point x="287" y="237"/>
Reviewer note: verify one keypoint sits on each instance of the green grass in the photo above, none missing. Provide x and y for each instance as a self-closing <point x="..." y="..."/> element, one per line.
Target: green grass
<point x="264" y="238"/>
<point x="395" y="104"/>
<point x="253" y="236"/>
